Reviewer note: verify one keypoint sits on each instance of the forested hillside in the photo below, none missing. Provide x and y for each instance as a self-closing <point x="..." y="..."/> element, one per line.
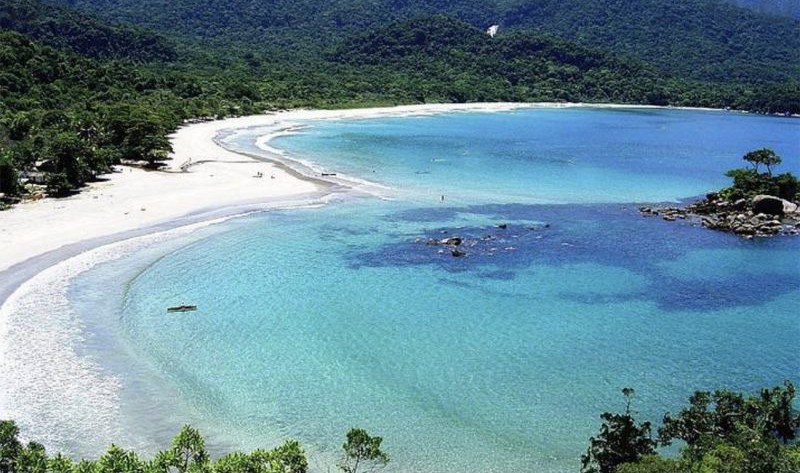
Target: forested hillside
<point x="64" y="28"/>
<point x="70" y="118"/>
<point x="81" y="91"/>
<point x="454" y="61"/>
<point x="690" y="39"/>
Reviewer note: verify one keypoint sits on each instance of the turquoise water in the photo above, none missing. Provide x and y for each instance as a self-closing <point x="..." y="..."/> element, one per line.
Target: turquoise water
<point x="313" y="321"/>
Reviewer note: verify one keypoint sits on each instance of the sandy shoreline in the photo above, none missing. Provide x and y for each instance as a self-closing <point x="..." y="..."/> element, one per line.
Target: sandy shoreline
<point x="133" y="199"/>
<point x="50" y="241"/>
<point x="54" y="240"/>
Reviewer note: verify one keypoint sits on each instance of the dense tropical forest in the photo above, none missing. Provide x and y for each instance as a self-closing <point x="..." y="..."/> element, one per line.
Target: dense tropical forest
<point x="720" y="432"/>
<point x="87" y="84"/>
<point x="695" y="39"/>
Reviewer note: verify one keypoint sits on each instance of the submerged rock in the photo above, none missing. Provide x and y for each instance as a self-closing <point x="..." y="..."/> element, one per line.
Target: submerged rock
<point x="457" y="253"/>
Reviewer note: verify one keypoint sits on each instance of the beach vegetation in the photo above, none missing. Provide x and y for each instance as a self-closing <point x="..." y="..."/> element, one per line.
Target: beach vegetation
<point x="719" y="432"/>
<point x="763" y="156"/>
<point x="621" y="440"/>
<point x="725" y="432"/>
<point x="362" y="452"/>
<point x="9" y="176"/>
<point x="749" y="182"/>
<point x="186" y="454"/>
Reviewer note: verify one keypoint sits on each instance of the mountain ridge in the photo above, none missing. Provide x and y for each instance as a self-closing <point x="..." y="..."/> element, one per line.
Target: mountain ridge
<point x="81" y="33"/>
<point x="708" y="40"/>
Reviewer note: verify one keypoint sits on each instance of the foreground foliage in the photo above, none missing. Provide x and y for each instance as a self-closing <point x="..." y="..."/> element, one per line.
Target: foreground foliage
<point x="722" y="432"/>
<point x="187" y="454"/>
<point x="621" y="440"/>
<point x="362" y="451"/>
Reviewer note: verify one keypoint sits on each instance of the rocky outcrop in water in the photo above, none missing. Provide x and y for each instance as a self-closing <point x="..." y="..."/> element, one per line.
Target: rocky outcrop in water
<point x="493" y="240"/>
<point x="761" y="216"/>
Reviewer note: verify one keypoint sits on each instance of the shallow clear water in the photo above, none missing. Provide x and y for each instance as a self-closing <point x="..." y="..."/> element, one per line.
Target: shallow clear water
<point x="547" y="156"/>
<point x="316" y="320"/>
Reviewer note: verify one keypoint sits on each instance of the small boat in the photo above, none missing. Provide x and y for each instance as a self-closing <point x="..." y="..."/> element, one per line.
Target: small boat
<point x="182" y="308"/>
<point x="328" y="174"/>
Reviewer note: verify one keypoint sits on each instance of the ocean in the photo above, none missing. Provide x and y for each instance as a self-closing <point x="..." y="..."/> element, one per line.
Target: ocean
<point x="315" y="320"/>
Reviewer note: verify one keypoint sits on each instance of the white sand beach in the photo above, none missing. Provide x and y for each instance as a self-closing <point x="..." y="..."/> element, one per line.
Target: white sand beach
<point x="48" y="242"/>
<point x="133" y="198"/>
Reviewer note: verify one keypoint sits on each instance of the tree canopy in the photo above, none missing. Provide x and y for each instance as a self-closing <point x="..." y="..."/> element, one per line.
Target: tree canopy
<point x="84" y="90"/>
<point x="186" y="454"/>
<point x="749" y="182"/>
<point x="362" y="452"/>
<point x="721" y="432"/>
<point x="764" y="156"/>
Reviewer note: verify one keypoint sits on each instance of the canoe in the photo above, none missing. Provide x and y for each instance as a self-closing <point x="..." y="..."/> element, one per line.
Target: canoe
<point x="182" y="308"/>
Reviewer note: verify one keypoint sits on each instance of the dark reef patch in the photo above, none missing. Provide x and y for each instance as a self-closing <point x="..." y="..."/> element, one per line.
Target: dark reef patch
<point x="519" y="236"/>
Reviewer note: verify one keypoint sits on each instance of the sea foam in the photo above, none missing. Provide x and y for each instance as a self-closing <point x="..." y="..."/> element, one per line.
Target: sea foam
<point x="57" y="394"/>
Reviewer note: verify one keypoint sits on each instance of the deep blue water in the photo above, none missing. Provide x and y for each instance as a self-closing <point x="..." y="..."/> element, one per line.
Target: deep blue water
<point x="316" y="320"/>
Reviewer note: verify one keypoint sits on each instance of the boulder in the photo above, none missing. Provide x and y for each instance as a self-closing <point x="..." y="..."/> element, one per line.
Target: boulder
<point x="768" y="204"/>
<point x="453" y="241"/>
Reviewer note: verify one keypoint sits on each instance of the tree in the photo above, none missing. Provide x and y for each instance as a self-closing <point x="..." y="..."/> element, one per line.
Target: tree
<point x="32" y="459"/>
<point x="724" y="414"/>
<point x="117" y="460"/>
<point x="621" y="440"/>
<point x="652" y="464"/>
<point x="764" y="156"/>
<point x="748" y="182"/>
<point x="67" y="157"/>
<point x="362" y="450"/>
<point x="60" y="464"/>
<point x="788" y="186"/>
<point x="287" y="458"/>
<point x="10" y="445"/>
<point x="780" y="419"/>
<point x="9" y="179"/>
<point x="188" y="453"/>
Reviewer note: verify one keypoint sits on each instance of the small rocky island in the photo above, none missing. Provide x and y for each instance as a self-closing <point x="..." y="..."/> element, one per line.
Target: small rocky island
<point x="756" y="205"/>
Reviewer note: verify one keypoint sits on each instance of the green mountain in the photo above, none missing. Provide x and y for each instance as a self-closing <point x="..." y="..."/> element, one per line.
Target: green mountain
<point x="694" y="39"/>
<point x="69" y="29"/>
<point x="458" y="62"/>
<point x="81" y="90"/>
<point x="691" y="39"/>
